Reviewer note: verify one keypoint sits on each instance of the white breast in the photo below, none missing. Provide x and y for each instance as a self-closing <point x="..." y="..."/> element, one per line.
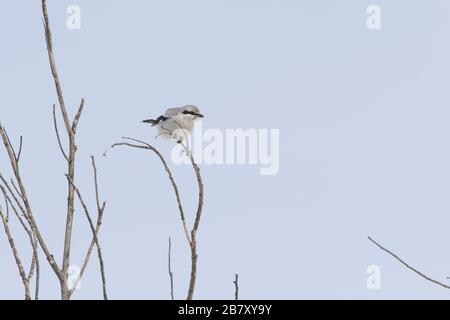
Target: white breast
<point x="180" y="123"/>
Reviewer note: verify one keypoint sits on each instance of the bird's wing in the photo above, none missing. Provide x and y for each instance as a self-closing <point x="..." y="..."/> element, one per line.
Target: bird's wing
<point x="172" y="112"/>
<point x="183" y="121"/>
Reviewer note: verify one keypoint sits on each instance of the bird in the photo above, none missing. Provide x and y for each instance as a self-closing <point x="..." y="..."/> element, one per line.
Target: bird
<point x="176" y="123"/>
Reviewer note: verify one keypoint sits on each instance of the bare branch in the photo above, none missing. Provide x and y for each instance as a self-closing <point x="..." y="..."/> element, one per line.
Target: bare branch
<point x="194" y="230"/>
<point x="27" y="210"/>
<point x="236" y="287"/>
<point x="170" y="269"/>
<point x="55" y="125"/>
<point x="10" y="144"/>
<point x="6" y="204"/>
<point x="71" y="156"/>
<point x="200" y="196"/>
<point x="33" y="240"/>
<point x="77" y="116"/>
<point x="15" y="188"/>
<point x="20" y="149"/>
<point x="192" y="237"/>
<point x="95" y="241"/>
<point x="51" y="59"/>
<point x="19" y="194"/>
<point x="97" y="197"/>
<point x="16" y="256"/>
<point x="9" y="202"/>
<point x="100" y="210"/>
<point x="13" y="195"/>
<point x="147" y="146"/>
<point x="408" y="266"/>
<point x="35" y="264"/>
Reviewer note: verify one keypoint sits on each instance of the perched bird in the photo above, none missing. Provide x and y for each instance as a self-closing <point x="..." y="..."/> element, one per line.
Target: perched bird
<point x="176" y="123"/>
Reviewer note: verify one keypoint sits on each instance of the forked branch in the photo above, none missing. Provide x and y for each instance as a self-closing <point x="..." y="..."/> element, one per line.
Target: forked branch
<point x="23" y="203"/>
<point x="95" y="230"/>
<point x="19" y="264"/>
<point x="71" y="128"/>
<point x="190" y="236"/>
<point x="145" y="145"/>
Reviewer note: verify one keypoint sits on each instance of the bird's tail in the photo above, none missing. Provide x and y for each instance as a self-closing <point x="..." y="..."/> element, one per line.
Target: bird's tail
<point x="151" y="121"/>
<point x="154" y="122"/>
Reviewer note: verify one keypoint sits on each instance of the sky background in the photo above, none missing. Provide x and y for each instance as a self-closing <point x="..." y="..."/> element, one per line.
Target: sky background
<point x="364" y="134"/>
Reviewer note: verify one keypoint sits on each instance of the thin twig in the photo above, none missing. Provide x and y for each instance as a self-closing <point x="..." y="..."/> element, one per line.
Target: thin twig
<point x="15" y="188"/>
<point x="33" y="241"/>
<point x="10" y="144"/>
<point x="6" y="203"/>
<point x="77" y="116"/>
<point x="169" y="173"/>
<point x="55" y="125"/>
<point x="51" y="59"/>
<point x="86" y="259"/>
<point x="408" y="266"/>
<point x="170" y="269"/>
<point x="38" y="268"/>
<point x="16" y="256"/>
<point x="236" y="287"/>
<point x="27" y="210"/>
<point x="100" y="209"/>
<point x="94" y="230"/>
<point x="13" y="194"/>
<point x="20" y="149"/>
<point x="9" y="202"/>
<point x="194" y="230"/>
<point x="32" y="237"/>
<point x="192" y="237"/>
<point x="35" y="265"/>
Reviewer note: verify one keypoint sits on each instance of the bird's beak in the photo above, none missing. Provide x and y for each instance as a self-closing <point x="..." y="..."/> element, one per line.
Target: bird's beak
<point x="199" y="115"/>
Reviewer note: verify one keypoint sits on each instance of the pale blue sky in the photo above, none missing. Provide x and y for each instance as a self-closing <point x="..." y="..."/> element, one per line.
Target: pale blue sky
<point x="364" y="129"/>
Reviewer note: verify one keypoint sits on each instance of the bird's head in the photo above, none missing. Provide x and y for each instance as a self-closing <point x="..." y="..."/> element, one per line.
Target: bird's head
<point x="193" y="111"/>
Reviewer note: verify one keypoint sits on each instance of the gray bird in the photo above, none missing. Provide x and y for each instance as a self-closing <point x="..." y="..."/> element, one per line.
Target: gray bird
<point x="176" y="123"/>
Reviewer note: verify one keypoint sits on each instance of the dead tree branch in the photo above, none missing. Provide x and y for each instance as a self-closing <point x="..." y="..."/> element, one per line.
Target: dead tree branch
<point x="145" y="145"/>
<point x="55" y="125"/>
<point x="16" y="196"/>
<point x="95" y="230"/>
<point x="26" y="208"/>
<point x="194" y="230"/>
<point x="407" y="265"/>
<point x="31" y="235"/>
<point x="16" y="200"/>
<point x="100" y="210"/>
<point x="170" y="269"/>
<point x="71" y="128"/>
<point x="190" y="236"/>
<point x="12" y="244"/>
<point x="35" y="264"/>
<point x="236" y="287"/>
